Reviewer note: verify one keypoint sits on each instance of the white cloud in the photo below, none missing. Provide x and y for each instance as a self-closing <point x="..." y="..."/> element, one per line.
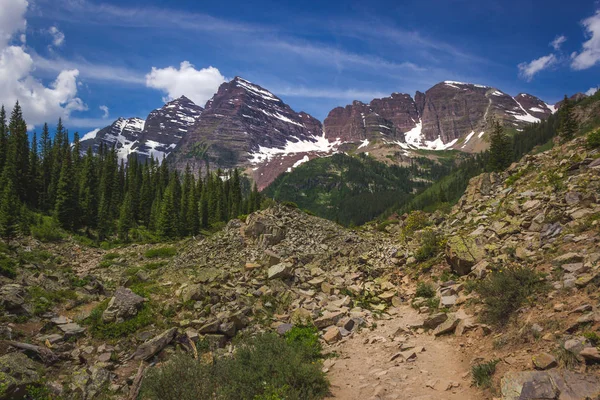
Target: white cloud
<point x="58" y="38"/>
<point x="105" y="111"/>
<point x="40" y="103"/>
<point x="528" y="69"/>
<point x="591" y="91"/>
<point x="558" y="41"/>
<point x="12" y="19"/>
<point x="198" y="85"/>
<point x="590" y="54"/>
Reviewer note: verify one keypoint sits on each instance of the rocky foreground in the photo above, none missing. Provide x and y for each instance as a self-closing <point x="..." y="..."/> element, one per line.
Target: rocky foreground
<point x="82" y="320"/>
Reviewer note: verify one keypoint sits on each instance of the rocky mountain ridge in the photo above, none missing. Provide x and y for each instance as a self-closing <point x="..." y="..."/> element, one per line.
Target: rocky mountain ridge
<point x="246" y="126"/>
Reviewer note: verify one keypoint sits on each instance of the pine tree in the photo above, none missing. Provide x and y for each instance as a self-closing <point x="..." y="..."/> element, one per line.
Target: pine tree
<point x="18" y="152"/>
<point x="9" y="209"/>
<point x="46" y="172"/>
<point x="167" y="224"/>
<point x="66" y="202"/>
<point x="3" y="138"/>
<point x="35" y="188"/>
<point x="568" y="125"/>
<point x="126" y="218"/>
<point x="500" y="148"/>
<point x="88" y="191"/>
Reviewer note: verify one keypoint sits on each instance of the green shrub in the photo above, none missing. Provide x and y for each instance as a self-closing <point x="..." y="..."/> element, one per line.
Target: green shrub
<point x="113" y="330"/>
<point x="415" y="221"/>
<point x="8" y="267"/>
<point x="593" y="139"/>
<point x="47" y="230"/>
<point x="42" y="299"/>
<point x="482" y="373"/>
<point x="506" y="290"/>
<point x="264" y="367"/>
<point x="161" y="252"/>
<point x="593" y="337"/>
<point x="110" y="256"/>
<point x="566" y="358"/>
<point x="306" y="338"/>
<point x="431" y="244"/>
<point x="289" y="204"/>
<point x="425" y="290"/>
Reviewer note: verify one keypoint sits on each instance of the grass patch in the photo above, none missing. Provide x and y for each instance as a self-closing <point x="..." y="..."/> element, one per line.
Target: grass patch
<point x="566" y="358"/>
<point x="593" y="337"/>
<point x="415" y="221"/>
<point x="506" y="290"/>
<point x="593" y="139"/>
<point x="113" y="330"/>
<point x="110" y="256"/>
<point x="265" y="367"/>
<point x="42" y="300"/>
<point x="482" y="373"/>
<point x="161" y="252"/>
<point x="8" y="267"/>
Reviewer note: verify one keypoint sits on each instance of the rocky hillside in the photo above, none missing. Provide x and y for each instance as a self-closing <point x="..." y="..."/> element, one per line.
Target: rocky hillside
<point x="398" y="305"/>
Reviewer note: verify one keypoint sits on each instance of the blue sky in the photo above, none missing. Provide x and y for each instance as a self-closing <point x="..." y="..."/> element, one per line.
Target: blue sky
<point x="316" y="55"/>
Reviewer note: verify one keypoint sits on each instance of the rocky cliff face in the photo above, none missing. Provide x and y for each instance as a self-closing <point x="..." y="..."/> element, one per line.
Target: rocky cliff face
<point x="245" y="124"/>
<point x="452" y="110"/>
<point x="389" y="117"/>
<point x="155" y="137"/>
<point x="165" y="127"/>
<point x="121" y="134"/>
<point x="436" y="119"/>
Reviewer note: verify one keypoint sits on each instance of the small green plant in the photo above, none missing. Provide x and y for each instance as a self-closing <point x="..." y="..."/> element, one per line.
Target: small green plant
<point x="42" y="300"/>
<point x="566" y="358"/>
<point x="593" y="337"/>
<point x="482" y="373"/>
<point x="425" y="290"/>
<point x="593" y="139"/>
<point x="110" y="256"/>
<point x="289" y="204"/>
<point x="504" y="291"/>
<point x="161" y="252"/>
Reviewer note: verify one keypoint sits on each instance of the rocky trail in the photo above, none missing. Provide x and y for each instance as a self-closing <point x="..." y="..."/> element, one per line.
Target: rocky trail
<point x="393" y="362"/>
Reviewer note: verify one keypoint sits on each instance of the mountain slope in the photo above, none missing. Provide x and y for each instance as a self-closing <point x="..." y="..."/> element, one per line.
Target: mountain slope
<point x="121" y="134"/>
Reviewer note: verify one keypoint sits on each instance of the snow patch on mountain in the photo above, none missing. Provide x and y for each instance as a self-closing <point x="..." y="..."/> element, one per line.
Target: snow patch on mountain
<point x="319" y="144"/>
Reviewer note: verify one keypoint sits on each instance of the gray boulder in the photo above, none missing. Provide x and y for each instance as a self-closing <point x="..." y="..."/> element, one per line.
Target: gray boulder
<point x="147" y="350"/>
<point x="124" y="304"/>
<point x="16" y="373"/>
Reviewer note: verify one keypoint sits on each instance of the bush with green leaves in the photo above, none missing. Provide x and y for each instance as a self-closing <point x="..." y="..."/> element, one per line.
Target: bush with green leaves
<point x="306" y="338"/>
<point x="8" y="267"/>
<point x="415" y="221"/>
<point x="47" y="230"/>
<point x="431" y="244"/>
<point x="506" y="290"/>
<point x="265" y="367"/>
<point x="425" y="290"/>
<point x="161" y="252"/>
<point x="482" y="373"/>
<point x="593" y="139"/>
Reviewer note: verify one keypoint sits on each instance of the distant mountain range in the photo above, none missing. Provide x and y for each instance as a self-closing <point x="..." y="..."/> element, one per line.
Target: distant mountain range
<point x="247" y="126"/>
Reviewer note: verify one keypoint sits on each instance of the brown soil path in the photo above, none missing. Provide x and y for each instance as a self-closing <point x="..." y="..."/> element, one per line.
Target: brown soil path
<point x="365" y="369"/>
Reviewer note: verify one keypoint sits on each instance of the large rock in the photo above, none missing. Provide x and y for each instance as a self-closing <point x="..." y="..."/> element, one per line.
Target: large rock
<point x="16" y="373"/>
<point x="147" y="350"/>
<point x="435" y="320"/>
<point x="549" y="385"/>
<point x="462" y="253"/>
<point x="12" y="298"/>
<point x="281" y="271"/>
<point x="124" y="304"/>
<point x="447" y="326"/>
